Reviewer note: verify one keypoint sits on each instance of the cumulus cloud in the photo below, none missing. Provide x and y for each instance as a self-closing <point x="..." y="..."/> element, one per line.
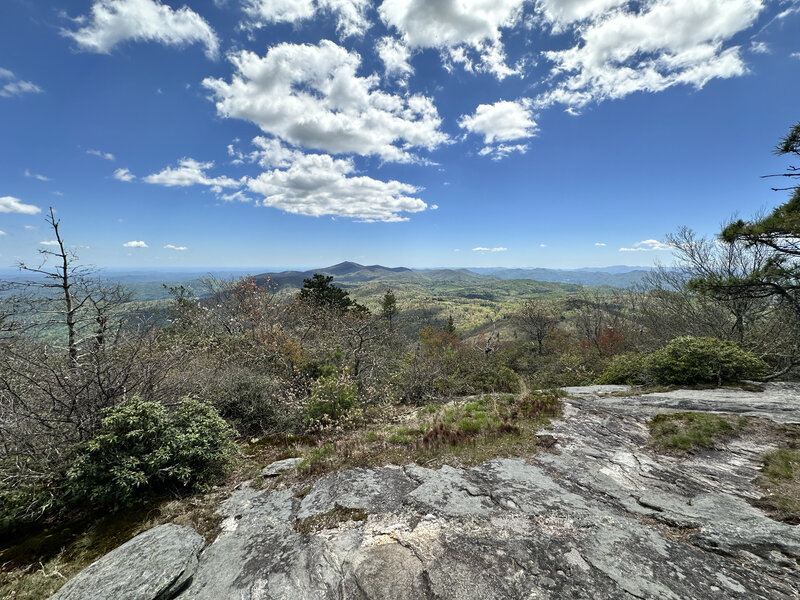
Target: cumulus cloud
<point x="116" y="21"/>
<point x="124" y="175"/>
<point x="311" y="96"/>
<point x="454" y="25"/>
<point x="191" y="172"/>
<point x="9" y="204"/>
<point x="49" y="243"/>
<point x="319" y="184"/>
<point x="647" y="46"/>
<point x="174" y="247"/>
<point x="599" y="243"/>
<point x="2" y="232"/>
<point x="499" y="122"/>
<point x="395" y="55"/>
<point x="482" y="249"/>
<point x="135" y="244"/>
<point x="647" y="246"/>
<point x="101" y="154"/>
<point x="351" y="15"/>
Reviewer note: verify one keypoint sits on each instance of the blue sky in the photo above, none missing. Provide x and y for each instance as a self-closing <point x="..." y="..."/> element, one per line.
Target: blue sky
<point x="552" y="133"/>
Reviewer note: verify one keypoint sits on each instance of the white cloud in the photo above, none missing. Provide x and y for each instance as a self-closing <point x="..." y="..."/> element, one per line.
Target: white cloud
<point x="311" y="96"/>
<point x="542" y="245"/>
<point x="351" y="15"/>
<point x="36" y="176"/>
<point x="191" y="172"/>
<point x="599" y="243"/>
<point x="116" y="21"/>
<point x="173" y="247"/>
<point x="456" y="25"/>
<point x="31" y="227"/>
<point x="101" y="154"/>
<point x="760" y="48"/>
<point x="134" y="244"/>
<point x="647" y="246"/>
<point x="647" y="46"/>
<point x="795" y="55"/>
<point x="49" y="243"/>
<point x="124" y="175"/>
<point x="560" y="13"/>
<point x="2" y="232"/>
<point x="501" y="121"/>
<point x="238" y="196"/>
<point x="395" y="55"/>
<point x="16" y="87"/>
<point x="318" y="184"/>
<point x="482" y="249"/>
<point x="500" y="151"/>
<point x="9" y="204"/>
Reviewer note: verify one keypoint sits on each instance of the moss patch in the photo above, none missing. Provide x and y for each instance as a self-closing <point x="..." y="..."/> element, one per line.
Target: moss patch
<point x="780" y="481"/>
<point x="692" y="430"/>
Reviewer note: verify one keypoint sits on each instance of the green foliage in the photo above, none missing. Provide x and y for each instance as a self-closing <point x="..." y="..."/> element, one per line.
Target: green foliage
<point x="495" y="378"/>
<point x="690" y="431"/>
<point x="686" y="361"/>
<point x="629" y="368"/>
<point x="319" y="291"/>
<point x="331" y="399"/>
<point x="143" y="450"/>
<point x="693" y="360"/>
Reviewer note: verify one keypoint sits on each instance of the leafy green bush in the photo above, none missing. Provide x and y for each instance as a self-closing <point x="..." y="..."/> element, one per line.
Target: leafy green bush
<point x="495" y="379"/>
<point x="331" y="399"/>
<point x="686" y="361"/>
<point x="629" y="368"/>
<point x="142" y="450"/>
<point x="692" y="360"/>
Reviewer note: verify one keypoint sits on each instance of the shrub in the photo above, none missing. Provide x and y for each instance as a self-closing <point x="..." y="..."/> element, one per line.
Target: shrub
<point x="495" y="379"/>
<point x="688" y="431"/>
<point x="629" y="368"/>
<point x="686" y="361"/>
<point x="256" y="404"/>
<point x="331" y="399"/>
<point x="692" y="360"/>
<point x="143" y="450"/>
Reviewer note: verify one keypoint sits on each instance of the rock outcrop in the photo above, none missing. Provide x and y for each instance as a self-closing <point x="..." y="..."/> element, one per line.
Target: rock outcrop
<point x="601" y="516"/>
<point x="155" y="565"/>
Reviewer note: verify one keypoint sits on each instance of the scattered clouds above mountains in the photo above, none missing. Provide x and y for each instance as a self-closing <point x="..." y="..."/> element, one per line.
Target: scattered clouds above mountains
<point x="320" y="106"/>
<point x="116" y="21"/>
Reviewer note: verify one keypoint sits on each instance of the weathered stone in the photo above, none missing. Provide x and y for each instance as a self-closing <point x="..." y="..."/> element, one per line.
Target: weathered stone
<point x="155" y="565"/>
<point x="602" y="516"/>
<point x="280" y="466"/>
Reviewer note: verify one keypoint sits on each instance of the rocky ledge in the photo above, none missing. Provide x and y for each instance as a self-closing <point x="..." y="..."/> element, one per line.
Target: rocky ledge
<point x="601" y="516"/>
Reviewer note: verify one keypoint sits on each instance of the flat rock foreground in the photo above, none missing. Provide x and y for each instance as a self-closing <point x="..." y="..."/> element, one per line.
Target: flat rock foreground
<point x="600" y="516"/>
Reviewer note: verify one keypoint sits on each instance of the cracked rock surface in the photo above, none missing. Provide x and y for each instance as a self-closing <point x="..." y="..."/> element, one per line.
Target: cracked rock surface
<point x="601" y="516"/>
